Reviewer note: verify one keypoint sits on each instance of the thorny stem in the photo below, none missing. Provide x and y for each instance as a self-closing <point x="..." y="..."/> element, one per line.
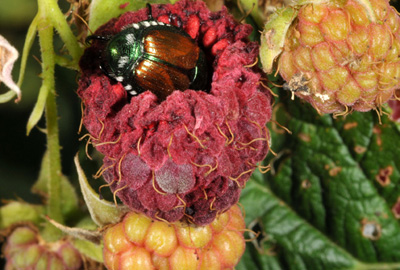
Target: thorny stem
<point x="49" y="18"/>
<point x="57" y="19"/>
<point x="47" y="10"/>
<point x="53" y="145"/>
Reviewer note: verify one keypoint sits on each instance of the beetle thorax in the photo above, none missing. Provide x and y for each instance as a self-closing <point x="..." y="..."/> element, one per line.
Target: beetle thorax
<point x="123" y="52"/>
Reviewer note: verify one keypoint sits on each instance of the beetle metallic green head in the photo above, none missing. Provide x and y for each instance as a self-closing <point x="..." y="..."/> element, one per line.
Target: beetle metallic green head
<point x="122" y="54"/>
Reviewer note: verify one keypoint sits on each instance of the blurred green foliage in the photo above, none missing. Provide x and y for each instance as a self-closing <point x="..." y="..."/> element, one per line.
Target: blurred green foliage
<point x="20" y="155"/>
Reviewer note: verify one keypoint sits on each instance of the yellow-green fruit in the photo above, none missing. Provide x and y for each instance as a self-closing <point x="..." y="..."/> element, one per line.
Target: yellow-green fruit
<point x="25" y="250"/>
<point x="141" y="243"/>
<point x="338" y="55"/>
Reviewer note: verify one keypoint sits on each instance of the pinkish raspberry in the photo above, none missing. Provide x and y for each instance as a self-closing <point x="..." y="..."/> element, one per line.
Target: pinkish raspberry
<point x="190" y="154"/>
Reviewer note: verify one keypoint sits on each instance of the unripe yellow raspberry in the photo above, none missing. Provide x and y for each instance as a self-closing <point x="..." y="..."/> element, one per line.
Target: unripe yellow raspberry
<point x="337" y="55"/>
<point x="141" y="243"/>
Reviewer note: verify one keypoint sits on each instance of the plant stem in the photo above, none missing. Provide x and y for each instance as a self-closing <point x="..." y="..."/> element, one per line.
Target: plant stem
<point x="49" y="18"/>
<point x="57" y="20"/>
<point x="53" y="145"/>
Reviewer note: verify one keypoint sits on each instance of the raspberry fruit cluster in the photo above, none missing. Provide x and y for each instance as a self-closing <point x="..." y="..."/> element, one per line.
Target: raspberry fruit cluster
<point x="25" y="250"/>
<point x="339" y="55"/>
<point x="188" y="156"/>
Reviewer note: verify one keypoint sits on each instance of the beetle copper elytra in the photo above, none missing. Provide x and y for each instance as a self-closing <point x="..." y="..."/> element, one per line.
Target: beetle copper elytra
<point x="155" y="56"/>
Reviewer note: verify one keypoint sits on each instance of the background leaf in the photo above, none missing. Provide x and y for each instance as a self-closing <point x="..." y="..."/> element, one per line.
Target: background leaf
<point x="327" y="201"/>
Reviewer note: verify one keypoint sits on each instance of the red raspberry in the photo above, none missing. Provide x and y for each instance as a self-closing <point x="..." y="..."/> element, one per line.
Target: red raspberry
<point x="191" y="154"/>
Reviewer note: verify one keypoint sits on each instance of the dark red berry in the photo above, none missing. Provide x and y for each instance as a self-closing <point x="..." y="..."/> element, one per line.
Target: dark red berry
<point x="192" y="153"/>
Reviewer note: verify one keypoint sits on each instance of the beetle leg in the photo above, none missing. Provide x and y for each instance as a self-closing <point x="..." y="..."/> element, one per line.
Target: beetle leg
<point x="150" y="16"/>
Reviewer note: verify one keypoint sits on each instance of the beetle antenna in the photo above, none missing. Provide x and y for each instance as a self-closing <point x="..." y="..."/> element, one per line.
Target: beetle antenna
<point x="150" y="16"/>
<point x="91" y="37"/>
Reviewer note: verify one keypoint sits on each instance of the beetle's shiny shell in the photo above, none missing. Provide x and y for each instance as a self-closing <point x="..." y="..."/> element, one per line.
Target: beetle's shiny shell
<point x="155" y="56"/>
<point x="169" y="57"/>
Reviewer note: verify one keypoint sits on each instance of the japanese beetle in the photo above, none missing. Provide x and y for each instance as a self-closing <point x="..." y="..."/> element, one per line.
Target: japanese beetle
<point x="155" y="56"/>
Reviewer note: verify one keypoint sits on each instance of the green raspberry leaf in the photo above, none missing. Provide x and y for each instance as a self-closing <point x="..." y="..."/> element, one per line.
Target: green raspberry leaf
<point x="329" y="200"/>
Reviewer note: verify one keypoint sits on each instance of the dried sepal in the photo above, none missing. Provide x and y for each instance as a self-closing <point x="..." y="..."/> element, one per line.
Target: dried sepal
<point x="8" y="56"/>
<point x="274" y="35"/>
